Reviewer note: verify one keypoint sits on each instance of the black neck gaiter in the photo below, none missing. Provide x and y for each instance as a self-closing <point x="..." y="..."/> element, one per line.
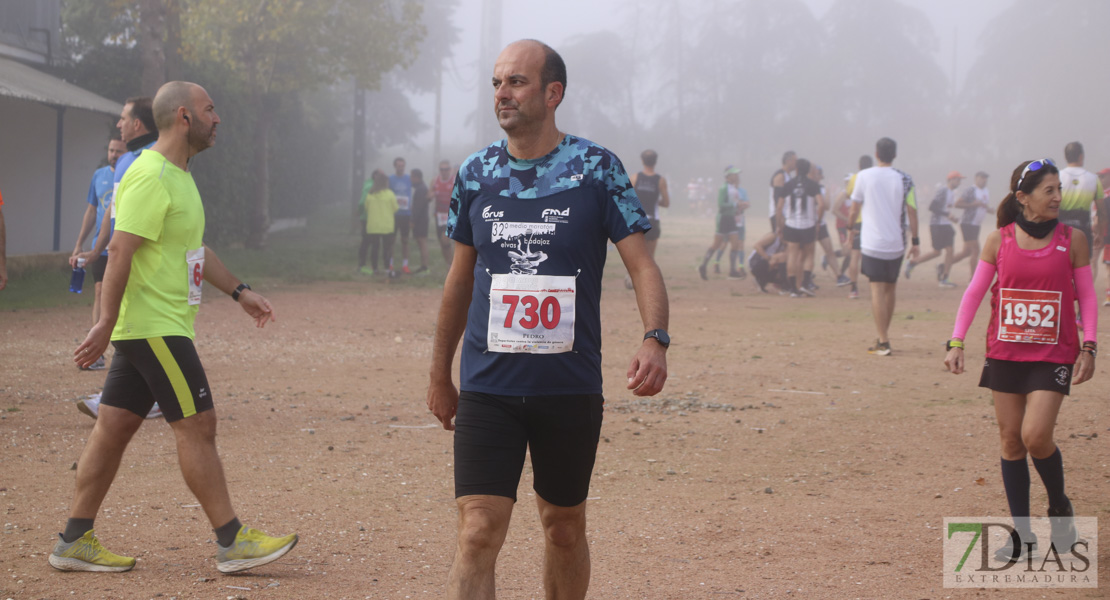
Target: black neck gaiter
<point x="1037" y="230"/>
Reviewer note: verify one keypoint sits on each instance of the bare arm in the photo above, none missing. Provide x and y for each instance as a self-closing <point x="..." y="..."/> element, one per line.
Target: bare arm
<point x="219" y="276"/>
<point x="664" y="194"/>
<point x="911" y="214"/>
<point x="648" y="371"/>
<point x="763" y="243"/>
<point x="101" y="241"/>
<point x="87" y="224"/>
<point x="443" y="396"/>
<point x="116" y="275"/>
<point x="967" y="201"/>
<point x="838" y="205"/>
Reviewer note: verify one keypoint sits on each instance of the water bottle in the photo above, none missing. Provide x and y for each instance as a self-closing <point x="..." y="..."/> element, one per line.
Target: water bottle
<point x="77" y="280"/>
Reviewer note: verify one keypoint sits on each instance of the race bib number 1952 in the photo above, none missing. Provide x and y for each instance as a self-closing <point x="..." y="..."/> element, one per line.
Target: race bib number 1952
<point x="1029" y="316"/>
<point x="531" y="314"/>
<point x="195" y="260"/>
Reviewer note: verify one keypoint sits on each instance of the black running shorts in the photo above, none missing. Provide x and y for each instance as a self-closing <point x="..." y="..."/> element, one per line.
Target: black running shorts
<point x="800" y="236"/>
<point x="402" y="225"/>
<point x="493" y="432"/>
<point x="1019" y="377"/>
<point x="971" y="234"/>
<point x="944" y="236"/>
<point x="165" y="370"/>
<point x="420" y="225"/>
<point x="822" y="232"/>
<point x="726" y="225"/>
<point x="97" y="267"/>
<point x="653" y="233"/>
<point x="880" y="270"/>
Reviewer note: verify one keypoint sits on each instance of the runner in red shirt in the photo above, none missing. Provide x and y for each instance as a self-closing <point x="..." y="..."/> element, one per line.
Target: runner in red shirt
<point x="1033" y="354"/>
<point x="441" y="194"/>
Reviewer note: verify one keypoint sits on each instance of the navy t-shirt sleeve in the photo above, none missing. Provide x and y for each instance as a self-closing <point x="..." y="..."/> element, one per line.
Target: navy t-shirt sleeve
<point x="458" y="219"/>
<point x="624" y="215"/>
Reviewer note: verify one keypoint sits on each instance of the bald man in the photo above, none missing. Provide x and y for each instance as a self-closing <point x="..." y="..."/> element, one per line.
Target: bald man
<point x="157" y="265"/>
<point x="530" y="217"/>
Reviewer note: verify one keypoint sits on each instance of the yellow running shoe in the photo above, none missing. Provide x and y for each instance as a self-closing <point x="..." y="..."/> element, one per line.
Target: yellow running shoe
<point x="251" y="549"/>
<point x="86" y="554"/>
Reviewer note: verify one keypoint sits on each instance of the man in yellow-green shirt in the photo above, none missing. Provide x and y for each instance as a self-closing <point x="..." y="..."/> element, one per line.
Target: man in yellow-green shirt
<point x="157" y="265"/>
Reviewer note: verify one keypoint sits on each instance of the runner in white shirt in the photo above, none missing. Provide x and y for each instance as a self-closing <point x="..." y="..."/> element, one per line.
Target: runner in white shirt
<point x="884" y="196"/>
<point x="976" y="204"/>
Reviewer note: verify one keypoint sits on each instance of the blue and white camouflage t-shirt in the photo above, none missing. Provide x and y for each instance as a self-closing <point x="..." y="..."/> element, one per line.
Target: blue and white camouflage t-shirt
<point x="550" y="216"/>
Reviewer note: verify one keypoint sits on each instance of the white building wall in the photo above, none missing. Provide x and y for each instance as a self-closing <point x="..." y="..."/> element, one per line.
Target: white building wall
<point x="27" y="165"/>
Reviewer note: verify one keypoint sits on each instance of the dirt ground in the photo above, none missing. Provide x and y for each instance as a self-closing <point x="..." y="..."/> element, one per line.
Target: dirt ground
<point x="780" y="461"/>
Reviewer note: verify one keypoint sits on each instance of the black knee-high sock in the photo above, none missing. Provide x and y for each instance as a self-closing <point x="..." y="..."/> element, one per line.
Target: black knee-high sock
<point x="1051" y="470"/>
<point x="740" y="258"/>
<point x="732" y="261"/>
<point x="792" y="281"/>
<point x="76" y="528"/>
<point x="708" y="255"/>
<point x="720" y="252"/>
<point x="1015" y="478"/>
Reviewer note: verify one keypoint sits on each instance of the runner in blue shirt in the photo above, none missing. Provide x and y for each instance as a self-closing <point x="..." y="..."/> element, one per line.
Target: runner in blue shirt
<point x="401" y="184"/>
<point x="531" y="217"/>
<point x="100" y="196"/>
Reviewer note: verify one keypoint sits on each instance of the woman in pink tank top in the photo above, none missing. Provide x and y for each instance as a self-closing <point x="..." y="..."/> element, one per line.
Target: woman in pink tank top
<point x="1033" y="353"/>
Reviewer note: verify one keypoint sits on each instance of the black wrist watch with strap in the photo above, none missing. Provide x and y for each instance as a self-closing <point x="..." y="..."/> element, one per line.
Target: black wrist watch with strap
<point x="659" y="335"/>
<point x="239" y="290"/>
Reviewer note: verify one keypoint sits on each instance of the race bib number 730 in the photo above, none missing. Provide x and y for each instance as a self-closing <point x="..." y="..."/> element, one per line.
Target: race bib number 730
<point x="1029" y="316"/>
<point x="531" y="314"/>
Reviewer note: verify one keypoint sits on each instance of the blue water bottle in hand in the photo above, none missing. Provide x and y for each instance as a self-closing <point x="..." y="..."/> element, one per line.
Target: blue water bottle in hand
<point x="77" y="280"/>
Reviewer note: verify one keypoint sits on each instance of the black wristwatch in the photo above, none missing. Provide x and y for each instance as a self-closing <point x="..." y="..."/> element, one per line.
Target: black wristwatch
<point x="239" y="290"/>
<point x="660" y="335"/>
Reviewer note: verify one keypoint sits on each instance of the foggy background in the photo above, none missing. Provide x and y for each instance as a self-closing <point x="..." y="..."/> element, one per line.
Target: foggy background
<point x="959" y="85"/>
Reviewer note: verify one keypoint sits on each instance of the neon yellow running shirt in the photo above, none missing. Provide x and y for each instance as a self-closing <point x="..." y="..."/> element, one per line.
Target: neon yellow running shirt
<point x="160" y="203"/>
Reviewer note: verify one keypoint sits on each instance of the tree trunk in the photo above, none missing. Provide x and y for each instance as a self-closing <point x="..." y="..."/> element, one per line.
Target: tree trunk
<point x="437" y="150"/>
<point x="152" y="39"/>
<point x="260" y="211"/>
<point x="175" y="65"/>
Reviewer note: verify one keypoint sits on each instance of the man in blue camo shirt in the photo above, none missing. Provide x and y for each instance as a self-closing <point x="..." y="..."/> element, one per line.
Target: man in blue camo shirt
<point x="531" y="216"/>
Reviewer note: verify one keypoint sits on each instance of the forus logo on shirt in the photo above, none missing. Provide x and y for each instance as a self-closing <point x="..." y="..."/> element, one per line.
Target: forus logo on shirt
<point x="554" y="215"/>
<point x="489" y="214"/>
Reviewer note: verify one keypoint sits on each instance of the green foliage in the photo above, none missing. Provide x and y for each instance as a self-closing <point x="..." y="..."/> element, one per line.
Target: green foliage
<point x="99" y="50"/>
<point x="292" y="45"/>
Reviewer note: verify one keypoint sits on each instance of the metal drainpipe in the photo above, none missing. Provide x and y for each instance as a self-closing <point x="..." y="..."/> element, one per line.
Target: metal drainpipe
<point x="58" y="178"/>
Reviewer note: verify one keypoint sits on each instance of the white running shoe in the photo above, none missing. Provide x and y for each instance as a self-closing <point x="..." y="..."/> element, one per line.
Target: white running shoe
<point x="155" y="412"/>
<point x="89" y="406"/>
